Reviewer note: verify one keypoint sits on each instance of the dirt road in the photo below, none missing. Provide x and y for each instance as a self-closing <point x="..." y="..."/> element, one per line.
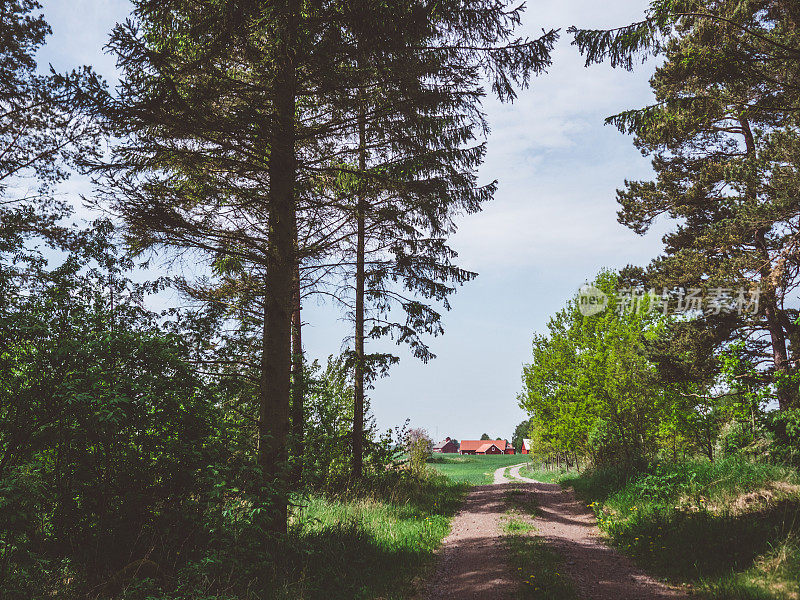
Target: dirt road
<point x="472" y="563"/>
<point x="473" y="560"/>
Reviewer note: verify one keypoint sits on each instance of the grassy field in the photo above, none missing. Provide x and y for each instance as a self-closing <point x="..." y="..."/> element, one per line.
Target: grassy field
<point x="475" y="469"/>
<point x="730" y="529"/>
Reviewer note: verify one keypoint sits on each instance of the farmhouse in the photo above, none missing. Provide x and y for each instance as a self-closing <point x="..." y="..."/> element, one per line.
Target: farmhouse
<point x="526" y="446"/>
<point x="486" y="447"/>
<point x="446" y="446"/>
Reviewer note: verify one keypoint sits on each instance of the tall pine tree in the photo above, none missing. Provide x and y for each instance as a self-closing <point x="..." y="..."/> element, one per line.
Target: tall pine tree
<point x="414" y="158"/>
<point x="724" y="139"/>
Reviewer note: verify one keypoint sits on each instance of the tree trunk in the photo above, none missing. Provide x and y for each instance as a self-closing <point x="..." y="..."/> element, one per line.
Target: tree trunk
<point x="298" y="379"/>
<point x="275" y="388"/>
<point x="358" y="383"/>
<point x="780" y="357"/>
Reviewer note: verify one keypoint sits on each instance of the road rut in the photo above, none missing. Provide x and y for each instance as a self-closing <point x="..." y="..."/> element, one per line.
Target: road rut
<point x="474" y="558"/>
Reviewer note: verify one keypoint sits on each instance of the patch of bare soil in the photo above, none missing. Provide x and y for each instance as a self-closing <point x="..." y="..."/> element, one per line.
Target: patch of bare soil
<point x="777" y="490"/>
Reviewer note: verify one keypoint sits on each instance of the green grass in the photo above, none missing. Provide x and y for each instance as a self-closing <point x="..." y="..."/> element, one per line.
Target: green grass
<point x="475" y="469"/>
<point x="368" y="545"/>
<point x="537" y="566"/>
<point x="372" y="540"/>
<point x="730" y="528"/>
<point x="546" y="476"/>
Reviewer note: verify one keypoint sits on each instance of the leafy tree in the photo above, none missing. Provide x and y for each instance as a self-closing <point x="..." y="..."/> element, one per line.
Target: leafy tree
<point x="418" y="446"/>
<point x="521" y="432"/>
<point x="590" y="387"/>
<point x="485" y="436"/>
<point x="106" y="432"/>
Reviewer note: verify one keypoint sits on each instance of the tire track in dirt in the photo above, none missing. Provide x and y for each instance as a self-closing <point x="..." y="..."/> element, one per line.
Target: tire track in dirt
<point x="597" y="571"/>
<point x="473" y="559"/>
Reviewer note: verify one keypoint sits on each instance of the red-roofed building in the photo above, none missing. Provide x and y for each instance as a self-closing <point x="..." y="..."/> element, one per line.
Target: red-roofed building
<point x="446" y="446"/>
<point x="485" y="447"/>
<point x="488" y="448"/>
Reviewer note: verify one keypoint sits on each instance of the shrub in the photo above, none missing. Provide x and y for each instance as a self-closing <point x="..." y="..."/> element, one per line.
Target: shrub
<point x="419" y="447"/>
<point x="735" y="437"/>
<point x="785" y="427"/>
<point x="609" y="448"/>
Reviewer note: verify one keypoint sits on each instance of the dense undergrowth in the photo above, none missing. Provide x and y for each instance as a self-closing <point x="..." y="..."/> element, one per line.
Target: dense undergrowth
<point x="370" y="540"/>
<point x="729" y="529"/>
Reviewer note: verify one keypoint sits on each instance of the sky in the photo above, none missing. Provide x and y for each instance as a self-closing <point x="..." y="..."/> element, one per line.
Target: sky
<point x="551" y="226"/>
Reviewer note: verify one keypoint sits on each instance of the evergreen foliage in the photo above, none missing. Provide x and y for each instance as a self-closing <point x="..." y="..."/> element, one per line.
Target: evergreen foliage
<point x="723" y="135"/>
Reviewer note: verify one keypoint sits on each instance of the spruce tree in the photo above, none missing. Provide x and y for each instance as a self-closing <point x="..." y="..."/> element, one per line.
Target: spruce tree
<point x="414" y="161"/>
<point x="231" y="117"/>
<point x="207" y="114"/>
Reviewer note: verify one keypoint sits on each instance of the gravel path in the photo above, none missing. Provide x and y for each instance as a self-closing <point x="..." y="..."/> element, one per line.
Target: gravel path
<point x="473" y="560"/>
<point x="598" y="572"/>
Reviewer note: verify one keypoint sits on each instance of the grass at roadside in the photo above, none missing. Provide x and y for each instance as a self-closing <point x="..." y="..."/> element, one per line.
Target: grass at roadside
<point x="730" y="529"/>
<point x="545" y="476"/>
<point x="537" y="566"/>
<point x="475" y="469"/>
<point x="372" y="540"/>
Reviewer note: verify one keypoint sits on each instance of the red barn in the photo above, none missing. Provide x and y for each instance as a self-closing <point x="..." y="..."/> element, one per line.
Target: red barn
<point x="486" y="447"/>
<point x="526" y="447"/>
<point x="447" y="446"/>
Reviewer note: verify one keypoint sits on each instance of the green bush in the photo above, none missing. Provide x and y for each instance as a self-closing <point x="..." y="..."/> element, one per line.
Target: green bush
<point x="785" y="428"/>
<point x="734" y="437"/>
<point x="608" y="448"/>
<point x="418" y="448"/>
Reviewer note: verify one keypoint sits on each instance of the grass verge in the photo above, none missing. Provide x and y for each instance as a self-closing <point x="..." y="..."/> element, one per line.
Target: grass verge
<point x="373" y="542"/>
<point x="729" y="530"/>
<point x="545" y="476"/>
<point x="375" y="539"/>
